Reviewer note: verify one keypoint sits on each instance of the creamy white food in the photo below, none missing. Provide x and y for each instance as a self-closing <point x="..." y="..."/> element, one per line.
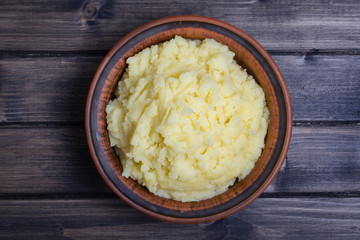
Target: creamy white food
<point x="187" y="120"/>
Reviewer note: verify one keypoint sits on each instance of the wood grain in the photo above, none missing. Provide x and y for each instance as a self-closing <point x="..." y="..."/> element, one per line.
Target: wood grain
<point x="322" y="87"/>
<point x="296" y="218"/>
<point x="49" y="187"/>
<point x="45" y="89"/>
<point x="39" y="25"/>
<point x="54" y="89"/>
<point x="321" y="159"/>
<point x="45" y="160"/>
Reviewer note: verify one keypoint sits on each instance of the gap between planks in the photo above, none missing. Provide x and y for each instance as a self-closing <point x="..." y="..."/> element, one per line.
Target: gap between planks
<point x="71" y="196"/>
<point x="296" y="123"/>
<point x="45" y="54"/>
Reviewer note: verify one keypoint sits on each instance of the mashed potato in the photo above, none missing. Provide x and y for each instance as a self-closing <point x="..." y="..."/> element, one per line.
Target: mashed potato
<point x="187" y="120"/>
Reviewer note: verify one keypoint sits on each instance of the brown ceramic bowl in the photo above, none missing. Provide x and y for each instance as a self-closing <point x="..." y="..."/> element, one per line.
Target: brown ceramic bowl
<point x="249" y="54"/>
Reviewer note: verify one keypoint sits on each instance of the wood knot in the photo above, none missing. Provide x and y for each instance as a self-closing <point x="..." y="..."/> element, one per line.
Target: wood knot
<point x="90" y="10"/>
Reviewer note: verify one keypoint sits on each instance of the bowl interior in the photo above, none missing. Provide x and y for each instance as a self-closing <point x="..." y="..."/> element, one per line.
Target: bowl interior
<point x="248" y="56"/>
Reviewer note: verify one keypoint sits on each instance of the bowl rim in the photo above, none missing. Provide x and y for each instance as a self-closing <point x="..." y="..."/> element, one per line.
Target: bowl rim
<point x="267" y="57"/>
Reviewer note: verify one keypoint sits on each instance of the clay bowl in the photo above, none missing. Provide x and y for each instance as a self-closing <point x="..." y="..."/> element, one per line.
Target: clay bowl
<point x="249" y="54"/>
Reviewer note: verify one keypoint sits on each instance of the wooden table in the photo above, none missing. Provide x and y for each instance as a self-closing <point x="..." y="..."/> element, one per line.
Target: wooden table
<point x="49" y="187"/>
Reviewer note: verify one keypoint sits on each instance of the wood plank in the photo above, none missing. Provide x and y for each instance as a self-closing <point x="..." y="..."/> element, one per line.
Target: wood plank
<point x="321" y="159"/>
<point x="54" y="89"/>
<point x="45" y="160"/>
<point x="46" y="89"/>
<point x="296" y="218"/>
<point x="39" y="25"/>
<point x="322" y="87"/>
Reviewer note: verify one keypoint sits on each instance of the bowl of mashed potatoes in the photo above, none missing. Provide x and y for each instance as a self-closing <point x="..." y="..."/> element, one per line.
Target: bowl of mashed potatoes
<point x="188" y="119"/>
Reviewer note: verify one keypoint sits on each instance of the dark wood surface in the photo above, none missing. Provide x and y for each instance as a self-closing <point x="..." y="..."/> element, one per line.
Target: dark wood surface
<point x="49" y="187"/>
<point x="322" y="87"/>
<point x="56" y="160"/>
<point x="265" y="218"/>
<point x="75" y="25"/>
